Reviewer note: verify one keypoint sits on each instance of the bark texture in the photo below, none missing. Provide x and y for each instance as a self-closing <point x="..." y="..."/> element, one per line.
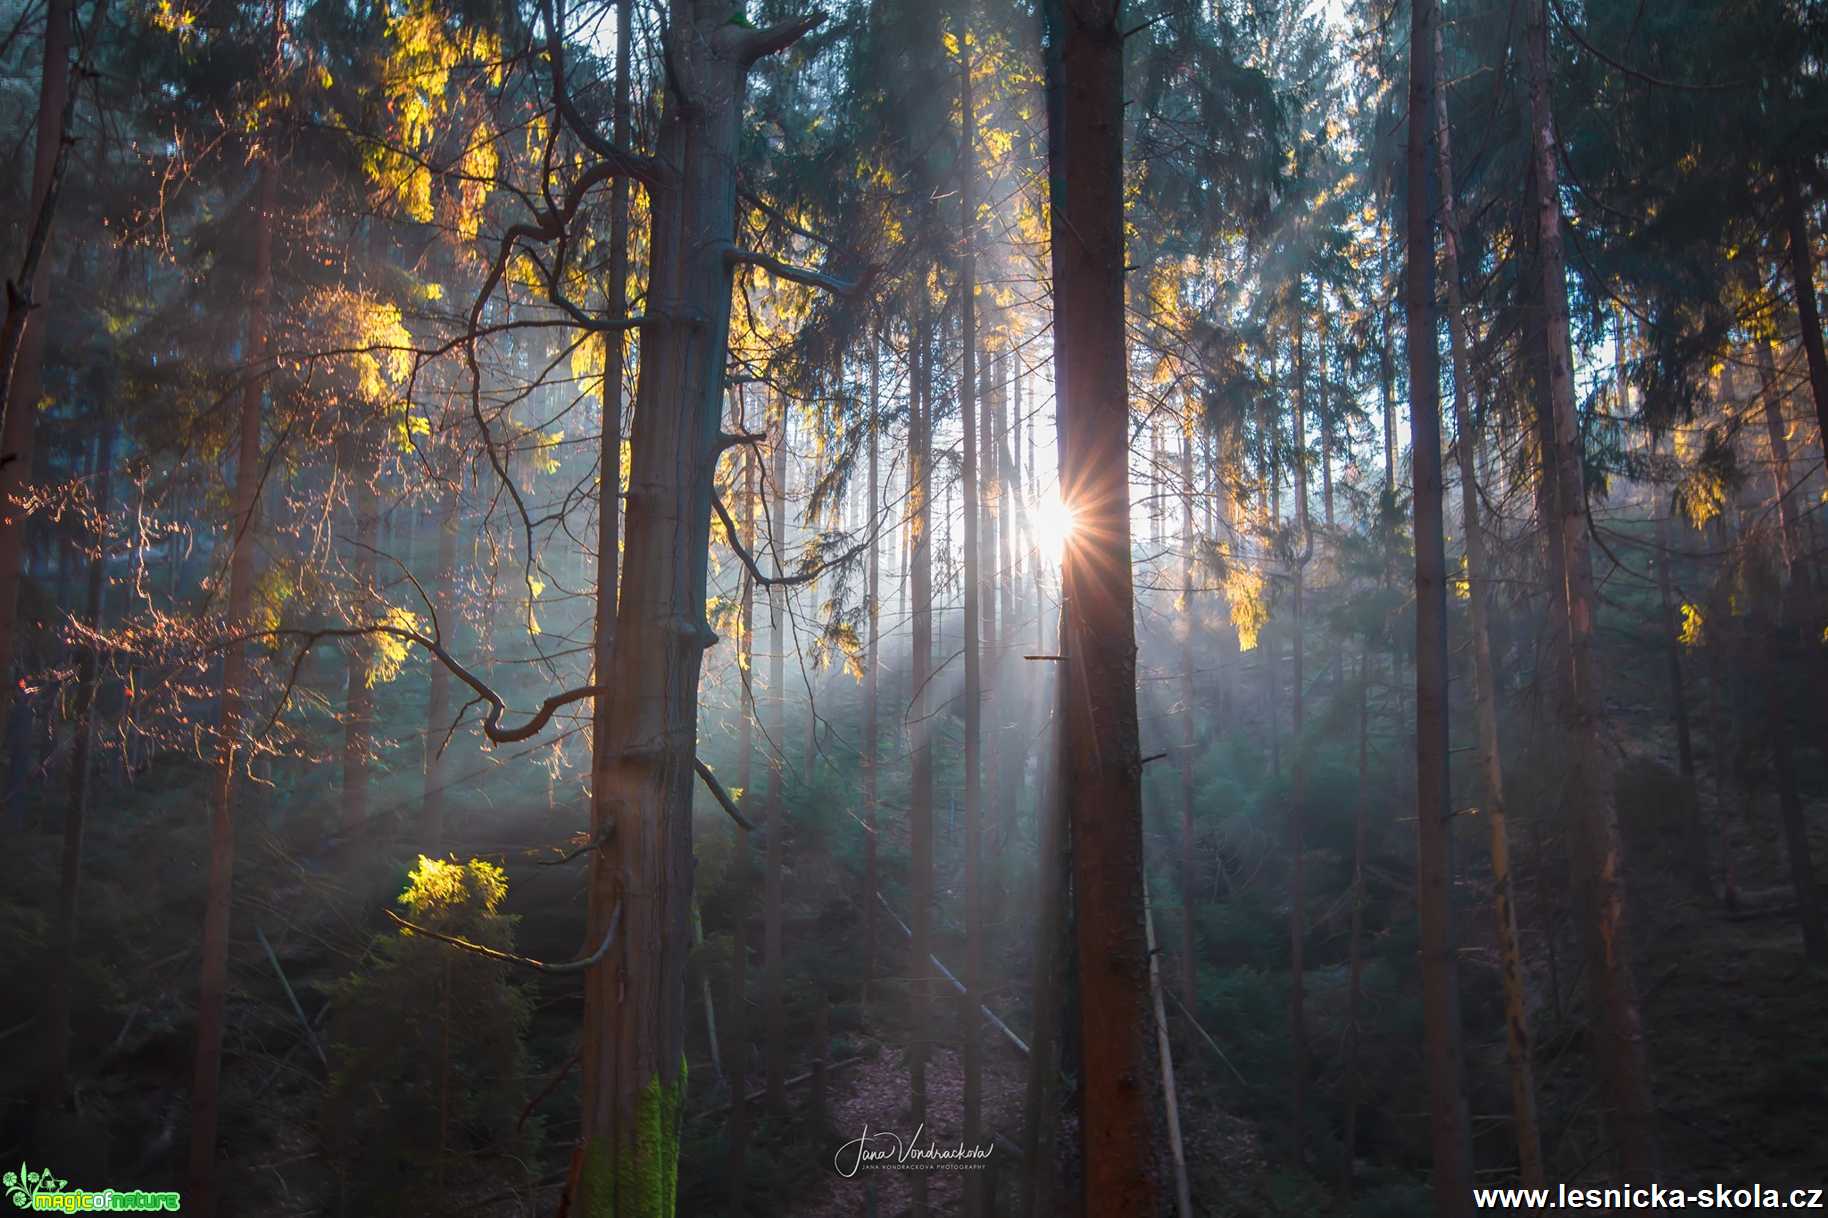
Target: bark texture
<point x="633" y="1048"/>
<point x="1100" y="759"/>
<point x="1453" y="1179"/>
<point x="1593" y="835"/>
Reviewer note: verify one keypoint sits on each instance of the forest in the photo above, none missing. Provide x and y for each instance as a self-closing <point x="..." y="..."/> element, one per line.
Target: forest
<point x="647" y="608"/>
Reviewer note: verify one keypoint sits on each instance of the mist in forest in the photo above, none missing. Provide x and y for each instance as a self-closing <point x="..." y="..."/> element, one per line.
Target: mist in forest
<point x="930" y="607"/>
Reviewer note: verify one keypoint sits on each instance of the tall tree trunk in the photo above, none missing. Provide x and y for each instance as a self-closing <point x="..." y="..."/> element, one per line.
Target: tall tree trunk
<point x="1053" y="872"/>
<point x="615" y="1115"/>
<point x="1553" y="672"/>
<point x="205" y="1107"/>
<point x="609" y="444"/>
<point x="745" y="621"/>
<point x="25" y="333"/>
<point x="774" y="965"/>
<point x="1802" y="278"/>
<point x="872" y="659"/>
<point x="1386" y="384"/>
<point x="63" y="941"/>
<point x="1297" y="906"/>
<point x="1177" y="1153"/>
<point x="1189" y="728"/>
<point x="438" y="695"/>
<point x="1100" y="761"/>
<point x="1453" y="1178"/>
<point x="738" y="1053"/>
<point x="1485" y="693"/>
<point x="1700" y="878"/>
<point x="920" y="798"/>
<point x="974" y="606"/>
<point x="1598" y="876"/>
<point x="1777" y="432"/>
<point x="633" y="1047"/>
<point x="358" y="694"/>
<point x="1355" y="968"/>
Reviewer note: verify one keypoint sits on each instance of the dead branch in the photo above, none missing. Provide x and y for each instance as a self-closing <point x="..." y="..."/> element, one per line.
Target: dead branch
<point x="310" y="1035"/>
<point x="759" y="44"/>
<point x="756" y="1097"/>
<point x="958" y="985"/>
<point x="491" y="724"/>
<point x="644" y="170"/>
<point x="722" y="796"/>
<point x="569" y="966"/>
<point x="735" y="538"/>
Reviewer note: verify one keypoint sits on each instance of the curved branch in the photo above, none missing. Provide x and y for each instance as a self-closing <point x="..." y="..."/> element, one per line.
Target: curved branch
<point x="759" y="44"/>
<point x="491" y="723"/>
<point x="568" y="966"/>
<point x="723" y="797"/>
<point x="732" y="439"/>
<point x="1627" y="69"/>
<point x="644" y="170"/>
<point x="780" y="581"/>
<point x="596" y="843"/>
<point x="780" y="217"/>
<point x="799" y="274"/>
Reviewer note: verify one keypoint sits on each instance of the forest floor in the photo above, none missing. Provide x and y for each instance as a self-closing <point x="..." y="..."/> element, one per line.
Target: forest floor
<point x="1732" y="1014"/>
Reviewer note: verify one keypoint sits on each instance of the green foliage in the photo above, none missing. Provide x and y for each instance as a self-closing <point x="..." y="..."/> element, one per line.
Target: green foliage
<point x="647" y="1169"/>
<point x="430" y="1056"/>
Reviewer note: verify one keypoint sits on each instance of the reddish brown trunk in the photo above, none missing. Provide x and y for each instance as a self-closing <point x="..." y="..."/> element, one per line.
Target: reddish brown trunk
<point x="1100" y="757"/>
<point x="872" y="725"/>
<point x="1802" y="277"/>
<point x="1594" y="851"/>
<point x="1053" y="871"/>
<point x="1297" y="909"/>
<point x="1355" y="967"/>
<point x="1485" y="694"/>
<point x="1453" y="1178"/>
<point x="634" y="1030"/>
<point x="1189" y="728"/>
<point x="920" y="799"/>
<point x="975" y="605"/>
<point x="773" y="963"/>
<point x="26" y="386"/>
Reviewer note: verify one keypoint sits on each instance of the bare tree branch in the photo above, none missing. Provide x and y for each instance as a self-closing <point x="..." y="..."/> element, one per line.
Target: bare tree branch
<point x="491" y="723"/>
<point x="781" y="581"/>
<point x="600" y="840"/>
<point x="569" y="966"/>
<point x="722" y="796"/>
<point x="644" y="170"/>
<point x="759" y="44"/>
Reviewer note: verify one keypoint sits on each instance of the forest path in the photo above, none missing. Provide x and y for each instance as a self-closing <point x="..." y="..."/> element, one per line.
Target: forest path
<point x="873" y="1095"/>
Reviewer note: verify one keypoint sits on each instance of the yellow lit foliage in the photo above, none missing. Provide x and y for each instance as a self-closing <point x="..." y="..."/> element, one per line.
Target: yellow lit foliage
<point x="423" y="53"/>
<point x="1694" y="626"/>
<point x="439" y="886"/>
<point x="1702" y="493"/>
<point x="390" y="650"/>
<point x="1246" y="591"/>
<point x="174" y="19"/>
